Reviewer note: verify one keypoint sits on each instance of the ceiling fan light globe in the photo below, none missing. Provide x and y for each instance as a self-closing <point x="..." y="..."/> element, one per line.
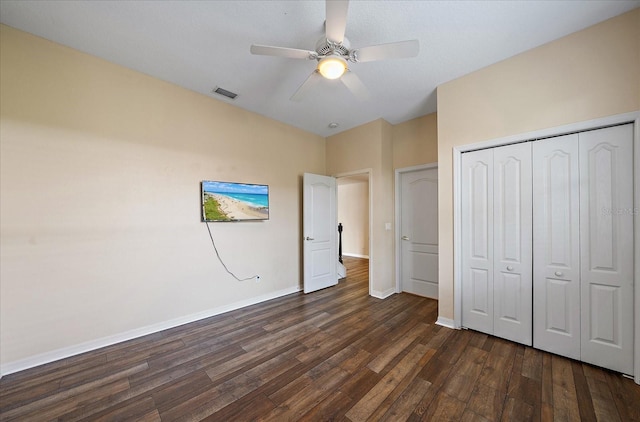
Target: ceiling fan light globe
<point x="332" y="67"/>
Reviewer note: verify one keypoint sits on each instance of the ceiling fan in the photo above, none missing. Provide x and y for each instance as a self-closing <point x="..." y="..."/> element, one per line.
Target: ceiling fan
<point x="334" y="51"/>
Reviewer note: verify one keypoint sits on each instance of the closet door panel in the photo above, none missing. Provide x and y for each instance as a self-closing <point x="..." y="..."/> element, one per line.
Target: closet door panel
<point x="606" y="223"/>
<point x="556" y="246"/>
<point x="477" y="240"/>
<point x="512" y="227"/>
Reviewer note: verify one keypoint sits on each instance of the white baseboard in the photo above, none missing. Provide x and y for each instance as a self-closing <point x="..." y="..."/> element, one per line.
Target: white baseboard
<point x="355" y="255"/>
<point x="88" y="346"/>
<point x="446" y="322"/>
<point x="383" y="295"/>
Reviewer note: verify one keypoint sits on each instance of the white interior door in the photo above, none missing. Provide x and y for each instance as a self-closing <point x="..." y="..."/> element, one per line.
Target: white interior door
<point x="512" y="233"/>
<point x="556" y="246"/>
<point x="419" y="232"/>
<point x="606" y="227"/>
<point x="477" y="240"/>
<point x="319" y="232"/>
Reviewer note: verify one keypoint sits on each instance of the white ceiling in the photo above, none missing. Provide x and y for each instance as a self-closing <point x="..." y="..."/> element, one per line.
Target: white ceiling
<point x="203" y="44"/>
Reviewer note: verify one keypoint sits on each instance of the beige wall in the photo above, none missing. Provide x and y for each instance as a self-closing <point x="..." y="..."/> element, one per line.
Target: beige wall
<point x="100" y="171"/>
<point x="415" y="142"/>
<point x="370" y="147"/>
<point x="589" y="74"/>
<point x="353" y="213"/>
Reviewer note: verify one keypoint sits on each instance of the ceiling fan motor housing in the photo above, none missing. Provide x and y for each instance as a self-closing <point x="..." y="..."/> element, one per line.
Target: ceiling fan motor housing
<point x="325" y="47"/>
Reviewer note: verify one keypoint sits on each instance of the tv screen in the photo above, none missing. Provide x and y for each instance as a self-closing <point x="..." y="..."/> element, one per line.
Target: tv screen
<point x="228" y="201"/>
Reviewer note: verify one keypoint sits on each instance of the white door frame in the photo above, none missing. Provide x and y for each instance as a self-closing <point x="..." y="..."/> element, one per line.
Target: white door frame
<point x="369" y="173"/>
<point x="398" y="173"/>
<point x="633" y="117"/>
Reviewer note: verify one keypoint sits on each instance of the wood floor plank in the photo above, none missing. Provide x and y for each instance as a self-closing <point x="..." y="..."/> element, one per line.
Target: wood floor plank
<point x="518" y="410"/>
<point x="56" y="409"/>
<point x="532" y="364"/>
<point x="370" y="402"/>
<point x="216" y="398"/>
<point x="404" y="405"/>
<point x="465" y="373"/>
<point x="445" y="408"/>
<point x="586" y="398"/>
<point x="603" y="404"/>
<point x="182" y="389"/>
<point x="547" y="382"/>
<point x="309" y="397"/>
<point x="524" y="393"/>
<point x="330" y="409"/>
<point x="127" y="411"/>
<point x="396" y="347"/>
<point x="360" y="383"/>
<point x="45" y="402"/>
<point x="487" y="402"/>
<point x="625" y="396"/>
<point x="565" y="400"/>
<point x="249" y="408"/>
<point x="437" y="373"/>
<point x="469" y="416"/>
<point x="179" y="367"/>
<point x="335" y="355"/>
<point x="497" y="371"/>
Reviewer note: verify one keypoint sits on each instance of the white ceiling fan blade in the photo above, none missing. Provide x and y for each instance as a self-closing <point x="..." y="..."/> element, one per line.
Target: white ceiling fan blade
<point x="336" y="22"/>
<point x="306" y="86"/>
<point x="355" y="85"/>
<point x="291" y="53"/>
<point x="394" y="50"/>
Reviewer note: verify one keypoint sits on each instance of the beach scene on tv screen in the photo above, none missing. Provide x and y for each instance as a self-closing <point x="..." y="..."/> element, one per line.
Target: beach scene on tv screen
<point x="223" y="201"/>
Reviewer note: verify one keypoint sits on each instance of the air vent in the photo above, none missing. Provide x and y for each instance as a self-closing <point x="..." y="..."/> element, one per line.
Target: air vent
<point x="224" y="92"/>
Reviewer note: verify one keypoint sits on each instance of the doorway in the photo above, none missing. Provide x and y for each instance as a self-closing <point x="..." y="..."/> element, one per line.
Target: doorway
<point x="354" y="213"/>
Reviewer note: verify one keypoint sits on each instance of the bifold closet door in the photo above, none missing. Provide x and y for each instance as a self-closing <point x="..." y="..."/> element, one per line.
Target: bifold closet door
<point x="512" y="231"/>
<point x="583" y="246"/>
<point x="496" y="244"/>
<point x="606" y="246"/>
<point x="556" y="246"/>
<point x="477" y="240"/>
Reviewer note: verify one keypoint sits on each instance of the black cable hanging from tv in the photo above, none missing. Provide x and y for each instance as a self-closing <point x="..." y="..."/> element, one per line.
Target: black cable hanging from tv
<point x="221" y="261"/>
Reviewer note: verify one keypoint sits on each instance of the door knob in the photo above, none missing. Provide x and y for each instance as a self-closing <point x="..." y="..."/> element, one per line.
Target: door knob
<point x="309" y="238"/>
<point x="509" y="268"/>
<point x="405" y="237"/>
<point x="558" y="273"/>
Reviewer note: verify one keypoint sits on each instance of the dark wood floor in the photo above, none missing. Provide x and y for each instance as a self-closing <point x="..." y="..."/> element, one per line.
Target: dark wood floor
<point x="337" y="354"/>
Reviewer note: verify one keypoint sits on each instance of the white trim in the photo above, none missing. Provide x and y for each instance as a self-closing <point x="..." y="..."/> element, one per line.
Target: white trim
<point x="369" y="173"/>
<point x="457" y="239"/>
<point x="636" y="242"/>
<point x="633" y="117"/>
<point x="355" y="255"/>
<point x="88" y="346"/>
<point x="446" y="322"/>
<point x="398" y="223"/>
<point x="384" y="294"/>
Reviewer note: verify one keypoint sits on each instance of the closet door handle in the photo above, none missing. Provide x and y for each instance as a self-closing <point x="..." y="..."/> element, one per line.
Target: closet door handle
<point x="309" y="238"/>
<point x="405" y="237"/>
<point x="558" y="273"/>
<point x="509" y="268"/>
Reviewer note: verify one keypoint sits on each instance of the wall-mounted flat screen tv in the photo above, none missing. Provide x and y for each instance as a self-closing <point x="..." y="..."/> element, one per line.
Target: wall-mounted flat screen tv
<point x="228" y="201"/>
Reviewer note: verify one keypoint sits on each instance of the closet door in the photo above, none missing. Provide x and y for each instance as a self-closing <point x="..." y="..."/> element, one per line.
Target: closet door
<point x="606" y="226"/>
<point x="556" y="246"/>
<point x="477" y="240"/>
<point x="512" y="264"/>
